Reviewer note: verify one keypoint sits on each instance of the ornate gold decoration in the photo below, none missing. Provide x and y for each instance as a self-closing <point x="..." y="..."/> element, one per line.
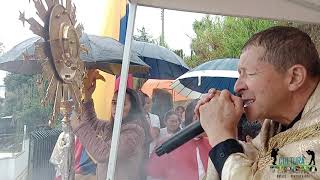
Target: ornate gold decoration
<point x="58" y="53"/>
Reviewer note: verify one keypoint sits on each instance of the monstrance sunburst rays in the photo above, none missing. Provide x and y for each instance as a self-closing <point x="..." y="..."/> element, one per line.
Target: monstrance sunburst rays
<point x="59" y="53"/>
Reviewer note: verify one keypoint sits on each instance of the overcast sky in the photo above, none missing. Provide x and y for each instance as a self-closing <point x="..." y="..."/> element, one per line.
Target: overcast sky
<point x="178" y="25"/>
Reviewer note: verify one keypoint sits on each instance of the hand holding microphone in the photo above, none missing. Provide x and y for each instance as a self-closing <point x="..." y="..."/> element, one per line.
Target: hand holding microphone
<point x="220" y="116"/>
<point x="219" y="113"/>
<point x="205" y="99"/>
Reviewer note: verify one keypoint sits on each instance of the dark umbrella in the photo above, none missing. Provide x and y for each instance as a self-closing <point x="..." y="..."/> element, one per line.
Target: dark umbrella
<point x="20" y="59"/>
<point x="164" y="63"/>
<point x="106" y="54"/>
<point x="101" y="52"/>
<point x="219" y="74"/>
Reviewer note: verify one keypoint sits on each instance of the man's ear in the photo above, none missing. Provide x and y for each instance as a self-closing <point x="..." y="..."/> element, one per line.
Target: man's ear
<point x="297" y="75"/>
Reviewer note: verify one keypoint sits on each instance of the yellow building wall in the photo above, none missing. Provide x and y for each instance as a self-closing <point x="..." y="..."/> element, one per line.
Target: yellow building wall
<point x="114" y="11"/>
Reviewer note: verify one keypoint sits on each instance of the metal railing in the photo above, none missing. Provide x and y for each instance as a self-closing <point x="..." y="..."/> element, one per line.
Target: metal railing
<point x="42" y="143"/>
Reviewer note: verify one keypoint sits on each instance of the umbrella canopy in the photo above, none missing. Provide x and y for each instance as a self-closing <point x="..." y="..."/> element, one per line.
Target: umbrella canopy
<point x="152" y="84"/>
<point x="20" y="59"/>
<point x="293" y="10"/>
<point x="106" y="53"/>
<point x="164" y="63"/>
<point x="101" y="52"/>
<point x="219" y="74"/>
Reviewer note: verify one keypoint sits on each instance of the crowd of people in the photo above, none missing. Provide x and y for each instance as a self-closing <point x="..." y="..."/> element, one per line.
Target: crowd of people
<point x="140" y="134"/>
<point x="277" y="90"/>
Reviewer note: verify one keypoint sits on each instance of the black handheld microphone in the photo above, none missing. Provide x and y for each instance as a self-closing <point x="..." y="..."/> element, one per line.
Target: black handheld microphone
<point x="186" y="134"/>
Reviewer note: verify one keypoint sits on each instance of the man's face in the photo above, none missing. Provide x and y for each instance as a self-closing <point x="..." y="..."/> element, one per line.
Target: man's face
<point x="262" y="88"/>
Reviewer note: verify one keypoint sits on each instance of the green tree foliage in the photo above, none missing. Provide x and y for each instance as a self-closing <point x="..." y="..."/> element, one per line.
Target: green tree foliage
<point x="143" y="36"/>
<point x="22" y="101"/>
<point x="222" y="37"/>
<point x="179" y="52"/>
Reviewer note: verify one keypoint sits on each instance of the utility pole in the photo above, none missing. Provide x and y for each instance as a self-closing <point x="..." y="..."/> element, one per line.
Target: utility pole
<point x="162" y="32"/>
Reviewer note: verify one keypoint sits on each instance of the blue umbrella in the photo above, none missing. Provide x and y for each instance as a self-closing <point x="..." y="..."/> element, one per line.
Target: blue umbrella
<point x="219" y="74"/>
<point x="164" y="63"/>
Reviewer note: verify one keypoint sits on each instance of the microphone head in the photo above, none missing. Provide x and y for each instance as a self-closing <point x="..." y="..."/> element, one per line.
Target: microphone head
<point x="160" y="151"/>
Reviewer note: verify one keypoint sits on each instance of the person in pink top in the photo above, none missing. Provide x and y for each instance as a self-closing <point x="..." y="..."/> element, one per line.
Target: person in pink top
<point x="95" y="135"/>
<point x="188" y="162"/>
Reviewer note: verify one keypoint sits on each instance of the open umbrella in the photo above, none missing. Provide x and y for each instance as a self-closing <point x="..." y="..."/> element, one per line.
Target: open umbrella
<point x="219" y="74"/>
<point x="164" y="63"/>
<point x="106" y="53"/>
<point x="20" y="59"/>
<point x="100" y="52"/>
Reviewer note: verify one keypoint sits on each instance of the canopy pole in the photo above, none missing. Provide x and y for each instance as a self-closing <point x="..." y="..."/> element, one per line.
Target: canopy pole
<point x="122" y="91"/>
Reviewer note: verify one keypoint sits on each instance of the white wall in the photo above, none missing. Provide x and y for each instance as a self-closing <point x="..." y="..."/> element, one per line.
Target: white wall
<point x="13" y="167"/>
